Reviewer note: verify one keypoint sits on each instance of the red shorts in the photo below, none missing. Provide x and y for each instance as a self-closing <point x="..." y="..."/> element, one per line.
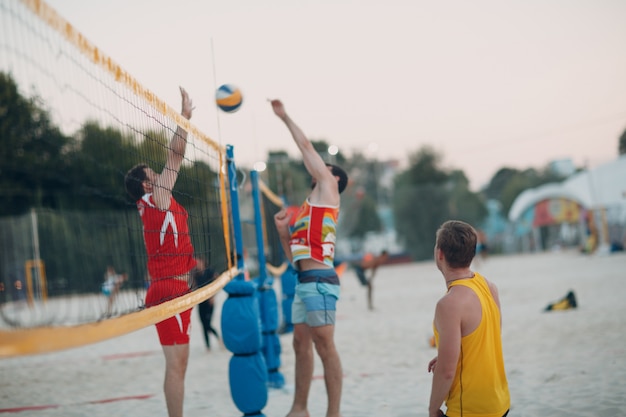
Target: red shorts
<point x="174" y="330"/>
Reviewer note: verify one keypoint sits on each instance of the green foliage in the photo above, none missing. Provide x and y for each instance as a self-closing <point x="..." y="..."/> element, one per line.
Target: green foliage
<point x="287" y="177"/>
<point x="366" y="218"/>
<point x="42" y="168"/>
<point x="33" y="159"/>
<point x="98" y="163"/>
<point x="508" y="183"/>
<point x="464" y="204"/>
<point x="424" y="167"/>
<point x="426" y="195"/>
<point x="321" y="146"/>
<point x="498" y="182"/>
<point x="622" y="144"/>
<point x="362" y="199"/>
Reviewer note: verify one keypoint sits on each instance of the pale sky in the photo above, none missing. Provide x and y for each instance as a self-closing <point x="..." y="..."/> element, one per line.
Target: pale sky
<point x="487" y="83"/>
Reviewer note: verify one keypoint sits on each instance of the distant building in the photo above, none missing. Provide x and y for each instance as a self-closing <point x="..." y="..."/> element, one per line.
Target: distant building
<point x="589" y="205"/>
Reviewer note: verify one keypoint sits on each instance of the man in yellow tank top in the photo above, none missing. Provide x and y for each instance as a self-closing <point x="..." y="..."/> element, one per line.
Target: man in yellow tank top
<point x="468" y="371"/>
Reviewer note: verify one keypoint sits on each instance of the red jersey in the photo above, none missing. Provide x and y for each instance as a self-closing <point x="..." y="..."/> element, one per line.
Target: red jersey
<point x="166" y="235"/>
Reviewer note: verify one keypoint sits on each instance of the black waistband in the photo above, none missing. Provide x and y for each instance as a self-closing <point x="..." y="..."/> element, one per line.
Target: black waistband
<point x="324" y="276"/>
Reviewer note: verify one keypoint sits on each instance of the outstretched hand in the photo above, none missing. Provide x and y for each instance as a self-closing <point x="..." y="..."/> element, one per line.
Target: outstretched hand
<point x="279" y="108"/>
<point x="187" y="105"/>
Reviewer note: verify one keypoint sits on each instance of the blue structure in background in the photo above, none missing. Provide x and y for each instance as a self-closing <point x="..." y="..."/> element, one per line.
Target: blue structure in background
<point x="241" y="324"/>
<point x="288" y="281"/>
<point x="495" y="225"/>
<point x="267" y="297"/>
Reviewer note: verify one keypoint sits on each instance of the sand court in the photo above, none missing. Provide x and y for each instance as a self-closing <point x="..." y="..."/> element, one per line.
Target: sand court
<point x="559" y="363"/>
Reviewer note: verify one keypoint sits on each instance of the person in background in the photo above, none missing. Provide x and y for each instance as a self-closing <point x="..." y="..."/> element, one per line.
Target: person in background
<point x="369" y="262"/>
<point x="482" y="249"/>
<point x="468" y="371"/>
<point x="111" y="287"/>
<point x="204" y="275"/>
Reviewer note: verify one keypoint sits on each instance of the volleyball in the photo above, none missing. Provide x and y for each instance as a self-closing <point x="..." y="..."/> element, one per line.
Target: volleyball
<point x="228" y="98"/>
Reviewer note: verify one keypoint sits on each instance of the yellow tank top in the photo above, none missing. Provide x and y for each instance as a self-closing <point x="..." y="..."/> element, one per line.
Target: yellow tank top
<point x="480" y="387"/>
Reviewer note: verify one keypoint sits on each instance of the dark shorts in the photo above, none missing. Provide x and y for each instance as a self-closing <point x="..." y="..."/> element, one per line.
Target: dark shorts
<point x="360" y="274"/>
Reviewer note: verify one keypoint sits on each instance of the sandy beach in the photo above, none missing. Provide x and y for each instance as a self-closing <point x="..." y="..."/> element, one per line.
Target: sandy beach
<point x="560" y="363"/>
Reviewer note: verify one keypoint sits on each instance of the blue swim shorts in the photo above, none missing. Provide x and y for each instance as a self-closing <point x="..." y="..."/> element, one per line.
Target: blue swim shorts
<point x="317" y="292"/>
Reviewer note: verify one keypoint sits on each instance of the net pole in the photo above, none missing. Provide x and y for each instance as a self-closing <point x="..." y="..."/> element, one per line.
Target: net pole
<point x="241" y="323"/>
<point x="234" y="198"/>
<point x="258" y="226"/>
<point x="267" y="296"/>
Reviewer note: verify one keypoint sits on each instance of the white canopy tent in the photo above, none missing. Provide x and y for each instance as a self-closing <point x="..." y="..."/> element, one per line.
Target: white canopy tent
<point x="600" y="189"/>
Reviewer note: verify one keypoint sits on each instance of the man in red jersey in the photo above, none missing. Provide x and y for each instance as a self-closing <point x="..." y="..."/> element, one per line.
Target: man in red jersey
<point x="309" y="244"/>
<point x="170" y="256"/>
<point x="468" y="371"/>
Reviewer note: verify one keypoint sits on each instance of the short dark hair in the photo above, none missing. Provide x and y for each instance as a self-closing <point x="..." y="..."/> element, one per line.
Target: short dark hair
<point x="457" y="241"/>
<point x="133" y="181"/>
<point x="343" y="176"/>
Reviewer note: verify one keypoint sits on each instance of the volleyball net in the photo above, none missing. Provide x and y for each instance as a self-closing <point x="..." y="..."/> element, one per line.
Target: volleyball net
<point x="72" y="124"/>
<point x="261" y="221"/>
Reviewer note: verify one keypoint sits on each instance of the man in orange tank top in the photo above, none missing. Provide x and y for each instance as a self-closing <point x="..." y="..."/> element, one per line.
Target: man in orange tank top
<point x="468" y="371"/>
<point x="309" y="244"/>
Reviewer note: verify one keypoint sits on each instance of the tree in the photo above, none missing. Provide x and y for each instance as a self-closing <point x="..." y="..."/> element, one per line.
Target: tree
<point x="508" y="183"/>
<point x="322" y="146"/>
<point x="426" y="195"/>
<point x="366" y="217"/>
<point x="464" y="204"/>
<point x="33" y="162"/>
<point x="362" y="199"/>
<point x="286" y="177"/>
<point x="622" y="144"/>
<point x="41" y="167"/>
<point x="498" y="182"/>
<point x="98" y="163"/>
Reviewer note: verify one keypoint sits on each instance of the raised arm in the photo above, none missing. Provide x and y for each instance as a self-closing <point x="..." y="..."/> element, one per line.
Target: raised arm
<point x="313" y="162"/>
<point x="282" y="219"/>
<point x="176" y="153"/>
